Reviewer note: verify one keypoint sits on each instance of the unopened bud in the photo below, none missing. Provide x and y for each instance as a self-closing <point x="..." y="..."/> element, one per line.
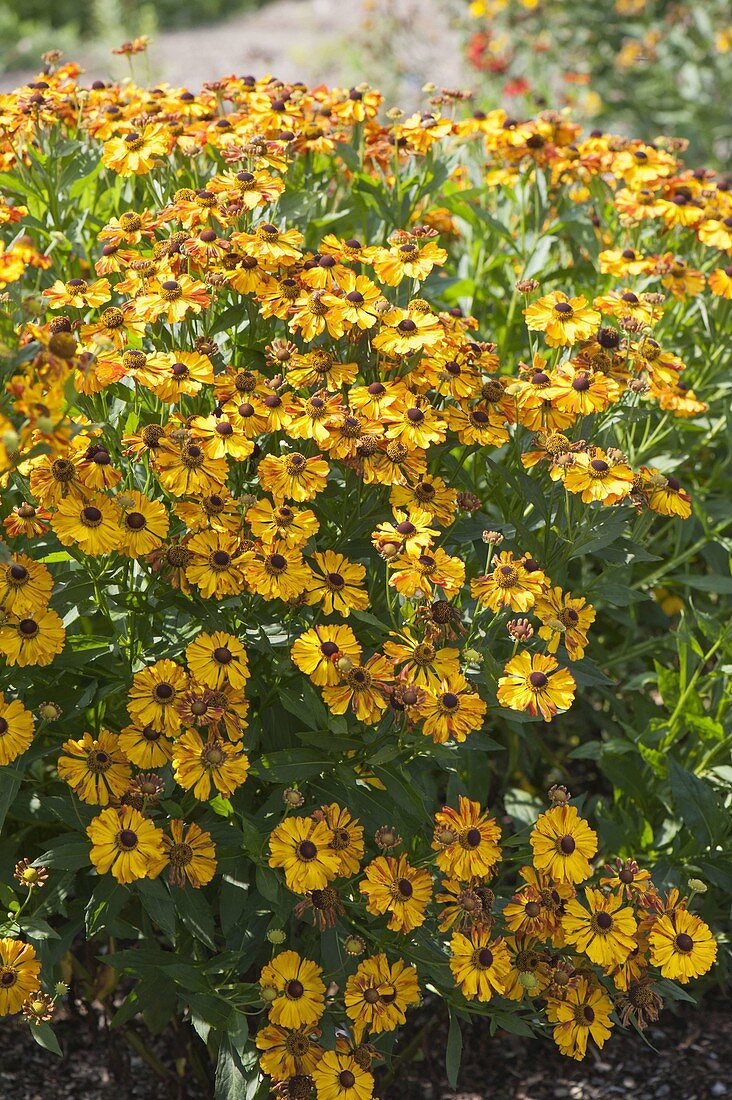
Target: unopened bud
<point x="520" y="630"/>
<point x="292" y="798"/>
<point x="354" y="945"/>
<point x="276" y="936"/>
<point x="387" y="837"/>
<point x="527" y="286"/>
<point x="558" y="795"/>
<point x="698" y="886"/>
<point x="492" y="538"/>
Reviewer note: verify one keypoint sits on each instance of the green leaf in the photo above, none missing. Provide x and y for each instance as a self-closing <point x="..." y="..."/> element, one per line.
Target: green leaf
<point x="696" y="802"/>
<point x="44" y="1035"/>
<point x="195" y="912"/>
<point x="454" y="1050"/>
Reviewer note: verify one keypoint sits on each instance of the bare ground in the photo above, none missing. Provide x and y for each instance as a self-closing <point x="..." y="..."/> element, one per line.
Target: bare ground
<point x="686" y="1056"/>
<point x="397" y="45"/>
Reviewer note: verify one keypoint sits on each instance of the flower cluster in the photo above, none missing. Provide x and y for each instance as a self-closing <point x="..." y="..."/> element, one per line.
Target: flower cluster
<point x="256" y="458"/>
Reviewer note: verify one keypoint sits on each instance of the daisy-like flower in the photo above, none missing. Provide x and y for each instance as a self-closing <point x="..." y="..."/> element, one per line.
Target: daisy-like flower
<point x="145" y="746"/>
<point x="378" y="994"/>
<point x="137" y="152"/>
<point x="363" y="688"/>
<point x="536" y="684"/>
<point x="95" y="768"/>
<point x="563" y="845"/>
<point x="78" y="293"/>
<point x="125" y="844"/>
<point x="172" y="299"/>
<point x="423" y="664"/>
<point x="451" y="709"/>
<point x="293" y="476"/>
<point x="154" y="693"/>
<point x="564" y="320"/>
<point x="406" y="331"/>
<point x="298" y="988"/>
<point x="605" y="933"/>
<point x="508" y="585"/>
<point x="216" y="566"/>
<point x="279" y="523"/>
<point x="25" y="585"/>
<point x="144" y="524"/>
<point x="682" y="945"/>
<point x="19" y="971"/>
<point x="16" y="730"/>
<point x="91" y="524"/>
<point x="281" y="575"/>
<point x="217" y="659"/>
<point x="32" y="640"/>
<point x="317" y="651"/>
<point x="466" y="840"/>
<point x="596" y="477"/>
<point x="347" y="841"/>
<point x="407" y="259"/>
<point x="566" y="619"/>
<point x="415" y="574"/>
<point x="303" y="848"/>
<point x="287" y="1052"/>
<point x="190" y="855"/>
<point x="201" y="766"/>
<point x="480" y="965"/>
<point x="340" y="1076"/>
<point x="393" y="886"/>
<point x="627" y="878"/>
<point x="336" y="583"/>
<point x="583" y="1014"/>
<point x="582" y="392"/>
<point x="427" y="493"/>
<point x="664" y="495"/>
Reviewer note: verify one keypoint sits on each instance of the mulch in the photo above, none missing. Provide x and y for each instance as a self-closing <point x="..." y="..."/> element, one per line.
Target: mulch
<point x="687" y="1055"/>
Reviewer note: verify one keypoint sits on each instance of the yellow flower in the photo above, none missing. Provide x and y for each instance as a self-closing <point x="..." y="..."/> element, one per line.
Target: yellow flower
<point x="190" y="854"/>
<point x="393" y="886"/>
<point x="451" y="709"/>
<point x="363" y="688"/>
<point x="466" y="840"/>
<point x="217" y="659"/>
<point x="606" y="934"/>
<point x="299" y="987"/>
<point x="282" y="575"/>
<point x="137" y="152"/>
<point x="563" y="844"/>
<point x="91" y="524"/>
<point x="342" y="1077"/>
<point x="378" y="994"/>
<point x="201" y="765"/>
<point x="95" y="768"/>
<point x="34" y="640"/>
<point x="126" y="844"/>
<point x="423" y="664"/>
<point x="596" y="477"/>
<point x="583" y="1014"/>
<point x="217" y="565"/>
<point x="144" y="524"/>
<point x="16" y="730"/>
<point x="682" y="945"/>
<point x="293" y="476"/>
<point x="304" y="850"/>
<point x="479" y="964"/>
<point x="508" y="585"/>
<point x="564" y="320"/>
<point x="25" y="585"/>
<point x="317" y="651"/>
<point x="19" y="970"/>
<point x="154" y="693"/>
<point x="287" y="1052"/>
<point x="534" y="683"/>
<point x="336" y="584"/>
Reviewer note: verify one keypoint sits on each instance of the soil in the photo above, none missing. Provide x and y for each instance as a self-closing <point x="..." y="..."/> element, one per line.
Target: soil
<point x="686" y="1055"/>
